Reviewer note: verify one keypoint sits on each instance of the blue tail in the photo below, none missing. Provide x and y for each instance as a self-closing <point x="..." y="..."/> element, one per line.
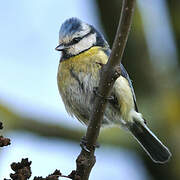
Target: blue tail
<point x="158" y="152"/>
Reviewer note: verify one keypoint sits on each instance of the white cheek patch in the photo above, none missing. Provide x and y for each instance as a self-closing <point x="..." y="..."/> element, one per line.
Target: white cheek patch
<point x="82" y="45"/>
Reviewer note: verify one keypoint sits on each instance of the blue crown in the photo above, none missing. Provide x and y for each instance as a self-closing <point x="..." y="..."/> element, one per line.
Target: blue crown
<point x="70" y="26"/>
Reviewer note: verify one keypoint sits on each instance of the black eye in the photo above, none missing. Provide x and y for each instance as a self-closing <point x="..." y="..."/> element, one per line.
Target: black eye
<point x="76" y="40"/>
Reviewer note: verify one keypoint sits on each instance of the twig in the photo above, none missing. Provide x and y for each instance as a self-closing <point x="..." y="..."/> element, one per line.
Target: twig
<point x="110" y="73"/>
<point x="22" y="170"/>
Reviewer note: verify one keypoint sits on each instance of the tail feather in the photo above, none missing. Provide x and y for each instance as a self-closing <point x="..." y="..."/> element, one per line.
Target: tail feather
<point x="158" y="152"/>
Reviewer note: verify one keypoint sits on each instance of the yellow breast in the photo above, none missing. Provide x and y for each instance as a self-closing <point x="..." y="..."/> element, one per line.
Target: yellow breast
<point x="86" y="62"/>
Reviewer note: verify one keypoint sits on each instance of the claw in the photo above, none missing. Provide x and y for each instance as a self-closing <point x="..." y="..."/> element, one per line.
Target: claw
<point x="83" y="144"/>
<point x="95" y="91"/>
<point x="101" y="64"/>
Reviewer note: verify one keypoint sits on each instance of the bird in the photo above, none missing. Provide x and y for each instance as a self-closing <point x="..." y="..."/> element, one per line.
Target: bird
<point x="84" y="51"/>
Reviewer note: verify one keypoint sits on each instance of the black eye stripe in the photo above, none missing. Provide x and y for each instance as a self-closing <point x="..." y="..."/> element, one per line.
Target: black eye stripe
<point x="77" y="39"/>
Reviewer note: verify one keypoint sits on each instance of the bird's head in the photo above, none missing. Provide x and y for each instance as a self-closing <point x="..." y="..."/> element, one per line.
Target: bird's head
<point x="76" y="36"/>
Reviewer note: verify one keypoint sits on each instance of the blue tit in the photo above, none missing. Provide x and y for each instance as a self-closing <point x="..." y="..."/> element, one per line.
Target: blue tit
<point x="84" y="51"/>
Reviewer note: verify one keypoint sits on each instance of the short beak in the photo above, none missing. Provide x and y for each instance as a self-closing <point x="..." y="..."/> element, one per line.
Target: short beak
<point x="60" y="47"/>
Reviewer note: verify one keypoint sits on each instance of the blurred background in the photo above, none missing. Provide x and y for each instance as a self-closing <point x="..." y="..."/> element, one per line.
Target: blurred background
<point x="32" y="111"/>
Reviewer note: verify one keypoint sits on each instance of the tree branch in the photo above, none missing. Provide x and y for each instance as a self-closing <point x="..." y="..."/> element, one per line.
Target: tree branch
<point x="110" y="73"/>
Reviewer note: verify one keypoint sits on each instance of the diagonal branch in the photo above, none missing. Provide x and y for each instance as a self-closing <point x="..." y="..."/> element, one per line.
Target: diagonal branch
<point x="110" y="73"/>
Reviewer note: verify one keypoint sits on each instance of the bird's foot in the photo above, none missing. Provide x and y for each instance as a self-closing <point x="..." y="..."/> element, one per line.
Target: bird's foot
<point x="101" y="64"/>
<point x="95" y="91"/>
<point x="83" y="144"/>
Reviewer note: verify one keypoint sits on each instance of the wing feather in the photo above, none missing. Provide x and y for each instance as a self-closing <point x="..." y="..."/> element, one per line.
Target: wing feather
<point x="125" y="75"/>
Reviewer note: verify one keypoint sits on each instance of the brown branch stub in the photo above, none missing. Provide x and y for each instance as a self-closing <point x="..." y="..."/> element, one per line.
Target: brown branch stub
<point x="110" y="73"/>
<point x="72" y="175"/>
<point x="22" y="170"/>
<point x="4" y="141"/>
<point x="54" y="176"/>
